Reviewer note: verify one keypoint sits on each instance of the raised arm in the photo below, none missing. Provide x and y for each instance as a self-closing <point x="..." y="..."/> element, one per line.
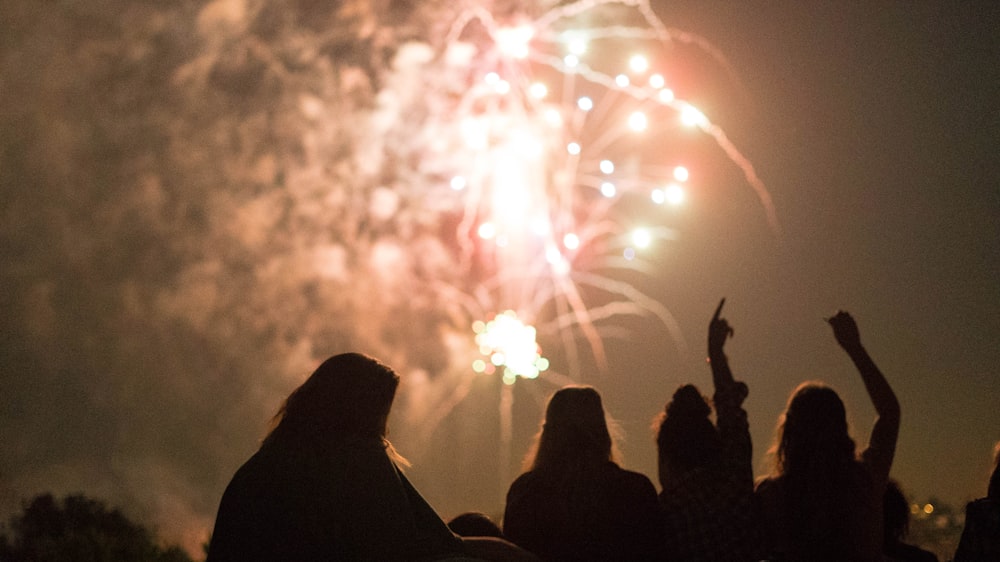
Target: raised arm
<point x="718" y="330"/>
<point x="882" y="443"/>
<point x="729" y="395"/>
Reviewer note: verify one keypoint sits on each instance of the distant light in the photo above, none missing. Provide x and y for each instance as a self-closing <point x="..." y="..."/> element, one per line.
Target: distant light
<point x="503" y="87"/>
<point x="608" y="189"/>
<point x="491" y="78"/>
<point x="928" y="509"/>
<point x="622" y="81"/>
<point x="573" y="148"/>
<point x="552" y="255"/>
<point x="658" y="196"/>
<point x="675" y="194"/>
<point x="514" y="41"/>
<point x="691" y="117"/>
<point x="666" y="95"/>
<point x="629" y="254"/>
<point x="638" y="63"/>
<point x="538" y="90"/>
<point x="607" y="166"/>
<point x="479" y="365"/>
<point x="578" y="46"/>
<point x="458" y="183"/>
<point x="571" y="61"/>
<point x="642" y="238"/>
<point x="571" y="241"/>
<point x="487" y="230"/>
<point x="657" y="81"/>
<point x="637" y="121"/>
<point x="681" y="173"/>
<point x="553" y="116"/>
<point x="585" y="103"/>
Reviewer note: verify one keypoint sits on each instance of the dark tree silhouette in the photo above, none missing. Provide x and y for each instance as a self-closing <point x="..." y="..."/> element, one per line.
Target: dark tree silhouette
<point x="80" y="529"/>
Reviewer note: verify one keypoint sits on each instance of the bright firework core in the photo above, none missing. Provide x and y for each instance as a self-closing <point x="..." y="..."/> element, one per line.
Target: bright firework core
<point x="509" y="343"/>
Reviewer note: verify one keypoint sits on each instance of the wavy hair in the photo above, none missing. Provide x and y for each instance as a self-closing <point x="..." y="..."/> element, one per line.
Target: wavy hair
<point x="348" y="397"/>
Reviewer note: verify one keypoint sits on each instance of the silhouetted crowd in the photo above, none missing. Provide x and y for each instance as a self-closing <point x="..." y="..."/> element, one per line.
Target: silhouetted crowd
<point x="326" y="484"/>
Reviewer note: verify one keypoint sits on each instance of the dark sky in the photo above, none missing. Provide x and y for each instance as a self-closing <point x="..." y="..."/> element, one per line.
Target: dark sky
<point x="146" y="343"/>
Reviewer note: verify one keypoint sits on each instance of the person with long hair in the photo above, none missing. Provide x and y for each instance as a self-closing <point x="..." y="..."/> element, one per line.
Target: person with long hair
<point x="981" y="534"/>
<point x="575" y="502"/>
<point x="326" y="485"/>
<point x="822" y="500"/>
<point x="706" y="469"/>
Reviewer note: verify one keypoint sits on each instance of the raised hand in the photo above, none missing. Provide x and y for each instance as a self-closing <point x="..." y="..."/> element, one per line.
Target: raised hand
<point x="845" y="329"/>
<point x="718" y="330"/>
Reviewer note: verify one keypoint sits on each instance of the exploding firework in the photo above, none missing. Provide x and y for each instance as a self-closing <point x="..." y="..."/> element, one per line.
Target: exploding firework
<point x="532" y="130"/>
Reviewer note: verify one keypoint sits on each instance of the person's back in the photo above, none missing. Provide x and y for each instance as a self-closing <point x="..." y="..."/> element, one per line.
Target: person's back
<point x="575" y="503"/>
<point x="324" y="485"/>
<point x="840" y="521"/>
<point x="706" y="469"/>
<point x="822" y="502"/>
<point x="612" y="516"/>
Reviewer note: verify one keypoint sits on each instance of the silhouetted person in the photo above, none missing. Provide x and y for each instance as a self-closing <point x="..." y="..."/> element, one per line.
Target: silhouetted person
<point x="822" y="502"/>
<point x="475" y="524"/>
<point x="575" y="502"/>
<point x="896" y="514"/>
<point x="325" y="484"/>
<point x="981" y="535"/>
<point x="706" y="471"/>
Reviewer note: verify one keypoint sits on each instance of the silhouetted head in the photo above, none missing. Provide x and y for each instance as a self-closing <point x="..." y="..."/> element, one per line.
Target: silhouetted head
<point x="896" y="513"/>
<point x="474" y="524"/>
<point x="994" y="489"/>
<point x="575" y="430"/>
<point x="686" y="438"/>
<point x="348" y="396"/>
<point x="812" y="433"/>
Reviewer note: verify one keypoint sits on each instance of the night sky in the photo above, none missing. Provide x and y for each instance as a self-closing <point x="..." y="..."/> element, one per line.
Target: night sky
<point x="140" y="361"/>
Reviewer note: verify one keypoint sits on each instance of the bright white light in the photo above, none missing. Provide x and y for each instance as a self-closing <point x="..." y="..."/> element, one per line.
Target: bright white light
<point x="585" y="103"/>
<point x="658" y="196"/>
<point x="503" y="87"/>
<point x="608" y="189"/>
<point x="553" y="117"/>
<point x="622" y="81"/>
<point x="675" y="194"/>
<point x="552" y="255"/>
<point x="637" y="121"/>
<point x="666" y="95"/>
<point x="681" y="173"/>
<point x="491" y="78"/>
<point x="538" y="90"/>
<point x="511" y="344"/>
<point x="458" y="183"/>
<point x="638" y="63"/>
<point x="656" y="81"/>
<point x="573" y="148"/>
<point x="691" y="117"/>
<point x="513" y="41"/>
<point x="578" y="46"/>
<point x="487" y="230"/>
<point x="571" y="241"/>
<point x="571" y="61"/>
<point x="607" y="166"/>
<point x="642" y="238"/>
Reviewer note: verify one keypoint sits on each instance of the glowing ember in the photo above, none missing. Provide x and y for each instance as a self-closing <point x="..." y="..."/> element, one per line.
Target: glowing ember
<point x="510" y="344"/>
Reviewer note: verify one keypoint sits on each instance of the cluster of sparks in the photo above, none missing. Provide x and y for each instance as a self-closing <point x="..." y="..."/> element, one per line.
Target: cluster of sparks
<point x="547" y="148"/>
